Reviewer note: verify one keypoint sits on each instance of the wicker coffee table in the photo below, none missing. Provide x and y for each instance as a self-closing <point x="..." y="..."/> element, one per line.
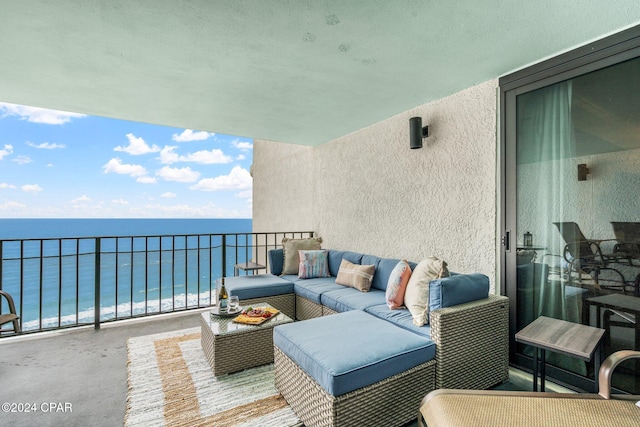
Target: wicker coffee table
<point x="232" y="347"/>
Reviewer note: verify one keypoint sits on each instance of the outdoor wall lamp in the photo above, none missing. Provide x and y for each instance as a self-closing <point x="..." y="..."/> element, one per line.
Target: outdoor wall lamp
<point x="583" y="171"/>
<point x="417" y="132"/>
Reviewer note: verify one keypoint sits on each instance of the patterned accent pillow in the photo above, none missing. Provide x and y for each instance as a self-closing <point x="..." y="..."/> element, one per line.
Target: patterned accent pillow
<point x="397" y="285"/>
<point x="313" y="264"/>
<point x="416" y="297"/>
<point x="355" y="275"/>
<point x="291" y="247"/>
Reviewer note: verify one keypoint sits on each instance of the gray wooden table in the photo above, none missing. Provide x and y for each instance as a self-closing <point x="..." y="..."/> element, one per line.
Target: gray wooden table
<point x="570" y="339"/>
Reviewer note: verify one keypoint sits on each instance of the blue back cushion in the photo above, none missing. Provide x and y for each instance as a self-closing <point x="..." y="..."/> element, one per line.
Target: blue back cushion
<point x="276" y="261"/>
<point x="383" y="271"/>
<point x="457" y="289"/>
<point x="335" y="258"/>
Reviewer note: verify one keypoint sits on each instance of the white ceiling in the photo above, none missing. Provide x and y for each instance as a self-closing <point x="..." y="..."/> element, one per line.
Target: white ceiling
<point x="302" y="72"/>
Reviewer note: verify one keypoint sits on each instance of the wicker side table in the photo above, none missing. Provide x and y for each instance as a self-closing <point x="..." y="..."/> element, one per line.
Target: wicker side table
<point x="231" y="347"/>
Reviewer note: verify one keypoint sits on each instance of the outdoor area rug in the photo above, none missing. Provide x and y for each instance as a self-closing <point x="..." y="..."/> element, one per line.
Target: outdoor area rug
<point x="171" y="384"/>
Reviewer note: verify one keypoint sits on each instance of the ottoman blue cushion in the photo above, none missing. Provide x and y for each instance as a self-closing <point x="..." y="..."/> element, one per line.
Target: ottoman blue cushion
<point x="347" y="351"/>
<point x="257" y="286"/>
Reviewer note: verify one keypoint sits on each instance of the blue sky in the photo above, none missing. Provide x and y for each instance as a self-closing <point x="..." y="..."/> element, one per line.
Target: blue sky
<point x="56" y="164"/>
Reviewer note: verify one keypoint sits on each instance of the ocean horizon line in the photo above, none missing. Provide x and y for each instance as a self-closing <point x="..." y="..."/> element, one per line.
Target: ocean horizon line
<point x="40" y="228"/>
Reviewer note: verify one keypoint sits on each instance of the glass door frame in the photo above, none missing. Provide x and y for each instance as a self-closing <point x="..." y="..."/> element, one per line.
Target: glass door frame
<point x="594" y="56"/>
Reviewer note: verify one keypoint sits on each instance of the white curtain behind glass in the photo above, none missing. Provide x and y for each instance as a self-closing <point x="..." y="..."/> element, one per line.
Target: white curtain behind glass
<point x="545" y="159"/>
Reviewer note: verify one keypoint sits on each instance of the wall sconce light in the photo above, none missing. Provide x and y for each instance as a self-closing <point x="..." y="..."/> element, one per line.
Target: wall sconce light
<point x="583" y="171"/>
<point x="417" y="132"/>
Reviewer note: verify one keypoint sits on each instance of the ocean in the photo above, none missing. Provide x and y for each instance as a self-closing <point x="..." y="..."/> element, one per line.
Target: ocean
<point x="146" y="266"/>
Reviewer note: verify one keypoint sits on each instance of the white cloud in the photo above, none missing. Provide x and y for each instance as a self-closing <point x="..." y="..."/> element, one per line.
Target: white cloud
<point x="168" y="195"/>
<point x="208" y="210"/>
<point x="38" y="115"/>
<point x="246" y="194"/>
<point x="167" y="156"/>
<point x="46" y="145"/>
<point x="185" y="174"/>
<point x="189" y="135"/>
<point x="119" y="202"/>
<point x="115" y="165"/>
<point x="22" y="160"/>
<point x="241" y="157"/>
<point x="238" y="179"/>
<point x="243" y="145"/>
<point x="207" y="157"/>
<point x="4" y="185"/>
<point x="81" y="199"/>
<point x="8" y="149"/>
<point x="11" y="205"/>
<point x="204" y="157"/>
<point x="146" y="180"/>
<point x="31" y="188"/>
<point x="137" y="146"/>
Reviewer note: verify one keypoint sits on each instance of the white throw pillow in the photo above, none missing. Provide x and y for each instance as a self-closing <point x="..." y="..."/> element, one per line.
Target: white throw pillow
<point x="416" y="297"/>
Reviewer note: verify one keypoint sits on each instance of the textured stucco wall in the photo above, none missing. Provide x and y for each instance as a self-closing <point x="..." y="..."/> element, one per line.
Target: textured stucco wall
<point x="369" y="192"/>
<point x="284" y="186"/>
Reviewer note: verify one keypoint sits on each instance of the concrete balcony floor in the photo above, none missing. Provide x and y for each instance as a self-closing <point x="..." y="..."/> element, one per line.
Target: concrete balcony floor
<point x="88" y="370"/>
<point x="84" y="367"/>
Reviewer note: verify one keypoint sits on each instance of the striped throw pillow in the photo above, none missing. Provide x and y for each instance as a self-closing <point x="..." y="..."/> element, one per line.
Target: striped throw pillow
<point x="355" y="275"/>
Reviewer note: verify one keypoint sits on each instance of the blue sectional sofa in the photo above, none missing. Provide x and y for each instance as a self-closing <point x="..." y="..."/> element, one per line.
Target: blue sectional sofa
<point x="464" y="345"/>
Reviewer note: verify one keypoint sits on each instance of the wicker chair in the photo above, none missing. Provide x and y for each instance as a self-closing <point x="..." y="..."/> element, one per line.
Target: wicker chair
<point x="461" y="408"/>
<point x="11" y="317"/>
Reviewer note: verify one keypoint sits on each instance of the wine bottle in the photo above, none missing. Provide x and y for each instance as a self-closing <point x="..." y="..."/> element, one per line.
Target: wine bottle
<point x="223" y="297"/>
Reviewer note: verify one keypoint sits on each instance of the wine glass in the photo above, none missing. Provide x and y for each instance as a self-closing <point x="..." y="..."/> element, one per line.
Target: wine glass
<point x="234" y="303"/>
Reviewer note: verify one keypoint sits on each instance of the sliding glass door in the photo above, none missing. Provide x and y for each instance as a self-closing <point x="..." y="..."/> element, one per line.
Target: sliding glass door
<point x="571" y="201"/>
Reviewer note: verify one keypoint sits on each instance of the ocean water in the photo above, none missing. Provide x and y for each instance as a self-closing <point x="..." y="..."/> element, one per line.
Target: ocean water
<point x="146" y="266"/>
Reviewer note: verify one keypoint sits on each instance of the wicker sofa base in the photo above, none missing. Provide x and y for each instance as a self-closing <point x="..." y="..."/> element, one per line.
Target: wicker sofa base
<point x="390" y="402"/>
<point x="307" y="309"/>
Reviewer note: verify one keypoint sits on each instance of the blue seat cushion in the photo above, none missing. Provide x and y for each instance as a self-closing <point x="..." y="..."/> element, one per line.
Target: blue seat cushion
<point x="401" y="318"/>
<point x="257" y="286"/>
<point x="312" y="289"/>
<point x="347" y="299"/>
<point x="348" y="351"/>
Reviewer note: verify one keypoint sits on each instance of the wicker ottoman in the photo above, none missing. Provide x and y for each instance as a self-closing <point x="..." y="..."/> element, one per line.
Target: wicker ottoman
<point x="329" y="378"/>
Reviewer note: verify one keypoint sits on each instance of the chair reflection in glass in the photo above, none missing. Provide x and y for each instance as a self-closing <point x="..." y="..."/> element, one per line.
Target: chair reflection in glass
<point x="585" y="257"/>
<point x="628" y="237"/>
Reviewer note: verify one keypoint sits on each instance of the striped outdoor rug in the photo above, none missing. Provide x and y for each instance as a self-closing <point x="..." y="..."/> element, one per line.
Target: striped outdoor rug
<point x="171" y="384"/>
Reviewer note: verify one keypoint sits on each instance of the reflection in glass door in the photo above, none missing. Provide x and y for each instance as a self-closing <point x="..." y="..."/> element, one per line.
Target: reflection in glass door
<point x="577" y="209"/>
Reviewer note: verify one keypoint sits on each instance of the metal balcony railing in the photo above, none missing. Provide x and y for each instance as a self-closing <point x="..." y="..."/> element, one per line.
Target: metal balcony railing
<point x="68" y="282"/>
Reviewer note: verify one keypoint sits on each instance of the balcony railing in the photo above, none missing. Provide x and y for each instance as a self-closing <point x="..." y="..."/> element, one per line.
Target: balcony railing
<point x="68" y="282"/>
